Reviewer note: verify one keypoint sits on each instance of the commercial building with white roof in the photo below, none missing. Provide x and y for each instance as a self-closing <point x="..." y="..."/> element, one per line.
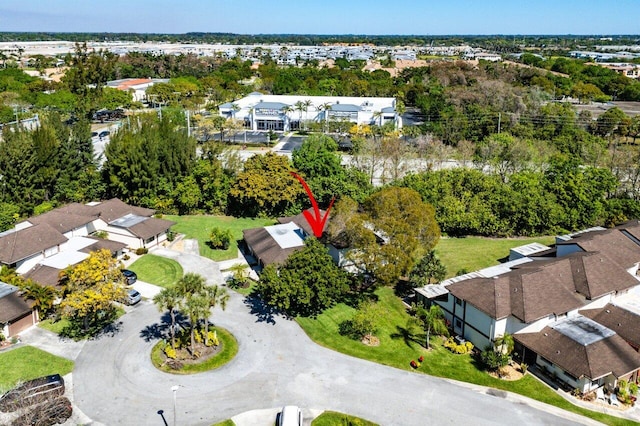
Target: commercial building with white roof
<point x="289" y="112"/>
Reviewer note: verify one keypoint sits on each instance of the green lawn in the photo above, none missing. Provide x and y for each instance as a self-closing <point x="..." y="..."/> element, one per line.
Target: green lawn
<point x="332" y="418"/>
<point x="473" y="253"/>
<point x="55" y="327"/>
<point x="399" y="345"/>
<point x="157" y="270"/>
<point x="27" y="362"/>
<point x="225" y="423"/>
<point x="199" y="227"/>
<point x="59" y="325"/>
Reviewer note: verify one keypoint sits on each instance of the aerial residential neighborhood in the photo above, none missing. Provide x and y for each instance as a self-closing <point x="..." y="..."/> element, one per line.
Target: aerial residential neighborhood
<point x="331" y="213"/>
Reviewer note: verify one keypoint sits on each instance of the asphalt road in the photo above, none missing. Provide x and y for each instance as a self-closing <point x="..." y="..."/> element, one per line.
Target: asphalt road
<point x="116" y="384"/>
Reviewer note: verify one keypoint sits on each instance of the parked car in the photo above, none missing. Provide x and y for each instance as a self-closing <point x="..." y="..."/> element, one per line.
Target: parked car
<point x="133" y="297"/>
<point x="130" y="276"/>
<point x="290" y="416"/>
<point x="32" y="392"/>
<point x="50" y="413"/>
<point x="94" y="134"/>
<point x="104" y="134"/>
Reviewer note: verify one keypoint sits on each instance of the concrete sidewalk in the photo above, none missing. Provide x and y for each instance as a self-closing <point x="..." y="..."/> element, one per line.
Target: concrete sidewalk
<point x="51" y="342"/>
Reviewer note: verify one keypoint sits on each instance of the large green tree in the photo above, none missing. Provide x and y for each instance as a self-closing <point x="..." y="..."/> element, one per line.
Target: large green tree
<point x="306" y="284"/>
<point x="146" y="160"/>
<point x="319" y="161"/>
<point x="265" y="188"/>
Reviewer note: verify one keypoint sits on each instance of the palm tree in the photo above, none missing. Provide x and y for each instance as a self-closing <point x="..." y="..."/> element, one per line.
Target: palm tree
<point x="215" y="296"/>
<point x="432" y="320"/>
<point x="306" y="104"/>
<point x="239" y="272"/>
<point x="42" y="296"/>
<point x="286" y="110"/>
<point x="168" y="299"/>
<point x="326" y="107"/>
<point x="504" y="344"/>
<point x="196" y="307"/>
<point x="234" y="109"/>
<point x="377" y="115"/>
<point x="299" y="107"/>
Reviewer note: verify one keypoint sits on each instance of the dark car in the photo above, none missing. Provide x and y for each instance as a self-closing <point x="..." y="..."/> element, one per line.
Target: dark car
<point x="129" y="276"/>
<point x="104" y="134"/>
<point x="32" y="392"/>
<point x="50" y="413"/>
<point x="94" y="134"/>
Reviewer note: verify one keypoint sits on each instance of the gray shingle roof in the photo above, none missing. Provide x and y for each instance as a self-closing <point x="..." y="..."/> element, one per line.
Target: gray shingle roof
<point x="544" y="287"/>
<point x="12" y="305"/>
<point x="18" y="245"/>
<point x="607" y="355"/>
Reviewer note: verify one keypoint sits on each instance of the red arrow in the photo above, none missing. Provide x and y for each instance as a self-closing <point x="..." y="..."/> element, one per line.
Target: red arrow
<point x="316" y="221"/>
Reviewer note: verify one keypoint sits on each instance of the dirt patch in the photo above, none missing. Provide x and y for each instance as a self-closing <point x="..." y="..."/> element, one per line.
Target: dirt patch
<point x="371" y="341"/>
<point x="511" y="372"/>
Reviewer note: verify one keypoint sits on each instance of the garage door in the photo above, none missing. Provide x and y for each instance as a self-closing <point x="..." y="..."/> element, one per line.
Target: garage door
<point x="20" y="324"/>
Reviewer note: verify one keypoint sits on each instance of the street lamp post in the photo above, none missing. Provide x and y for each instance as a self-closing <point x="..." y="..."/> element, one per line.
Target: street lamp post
<point x="175" y="391"/>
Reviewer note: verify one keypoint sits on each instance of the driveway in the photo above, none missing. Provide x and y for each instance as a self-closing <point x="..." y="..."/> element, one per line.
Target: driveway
<point x="277" y="364"/>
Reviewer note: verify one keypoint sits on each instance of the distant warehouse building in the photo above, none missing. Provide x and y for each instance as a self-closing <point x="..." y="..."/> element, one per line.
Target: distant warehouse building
<point x="287" y="112"/>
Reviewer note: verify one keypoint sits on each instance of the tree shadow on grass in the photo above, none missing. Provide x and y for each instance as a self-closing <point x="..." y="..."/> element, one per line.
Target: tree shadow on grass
<point x="107" y="325"/>
<point x="262" y="311"/>
<point x="409" y="336"/>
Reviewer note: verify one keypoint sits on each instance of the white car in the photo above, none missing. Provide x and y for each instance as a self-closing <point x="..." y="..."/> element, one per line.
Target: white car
<point x="290" y="416"/>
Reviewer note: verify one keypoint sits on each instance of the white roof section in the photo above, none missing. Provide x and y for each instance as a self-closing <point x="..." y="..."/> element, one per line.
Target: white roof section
<point x="567" y="237"/>
<point x="128" y="220"/>
<point x="317" y="102"/>
<point x="583" y="330"/>
<point x="287" y="235"/>
<point x="6" y="289"/>
<point x="529" y="249"/>
<point x="64" y="259"/>
<point x="78" y="243"/>
<point x="630" y="301"/>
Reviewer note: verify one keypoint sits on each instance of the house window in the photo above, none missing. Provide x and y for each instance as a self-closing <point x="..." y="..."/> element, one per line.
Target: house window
<point x="458" y="301"/>
<point x="148" y="240"/>
<point x="458" y="323"/>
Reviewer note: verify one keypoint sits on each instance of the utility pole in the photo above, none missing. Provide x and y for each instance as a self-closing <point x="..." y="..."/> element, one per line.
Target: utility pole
<point x="188" y="124"/>
<point x="499" y="121"/>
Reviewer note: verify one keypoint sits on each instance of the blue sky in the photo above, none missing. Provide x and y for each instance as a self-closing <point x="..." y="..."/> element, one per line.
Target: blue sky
<point x="424" y="17"/>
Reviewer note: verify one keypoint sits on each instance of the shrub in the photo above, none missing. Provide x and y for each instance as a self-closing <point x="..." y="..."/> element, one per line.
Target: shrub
<point x="101" y="234"/>
<point x="633" y="388"/>
<point x="126" y="257"/>
<point x="454" y="347"/>
<point x="213" y="338"/>
<point x="524" y="367"/>
<point x="220" y="239"/>
<point x="2" y="338"/>
<point x="493" y="360"/>
<point x="142" y="250"/>
<point x="170" y="352"/>
<point x="414" y="364"/>
<point x="171" y="235"/>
